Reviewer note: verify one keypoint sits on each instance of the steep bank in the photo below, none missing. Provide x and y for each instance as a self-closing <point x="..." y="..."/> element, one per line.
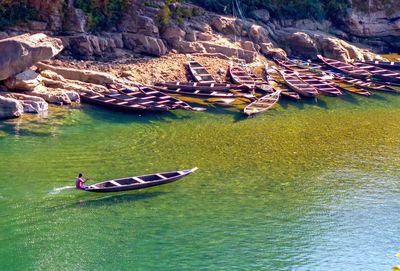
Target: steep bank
<point x="97" y="29"/>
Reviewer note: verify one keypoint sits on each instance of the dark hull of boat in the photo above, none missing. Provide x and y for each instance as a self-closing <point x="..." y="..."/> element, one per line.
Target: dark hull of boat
<point x="154" y="180"/>
<point x="385" y="65"/>
<point x="116" y="107"/>
<point x="203" y="86"/>
<point x="133" y="187"/>
<point x="240" y="76"/>
<point x="202" y="94"/>
<point x="387" y="76"/>
<point x="345" y="68"/>
<point x="293" y="82"/>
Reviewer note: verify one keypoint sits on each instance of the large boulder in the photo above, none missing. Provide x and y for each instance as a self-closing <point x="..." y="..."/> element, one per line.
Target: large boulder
<point x="21" y="52"/>
<point x="259" y="34"/>
<point x="271" y="52"/>
<point x="75" y="20"/>
<point x="309" y="44"/>
<point x="260" y="15"/>
<point x="173" y="33"/>
<point x="200" y="26"/>
<point x="225" y="25"/>
<point x="373" y="18"/>
<point x="27" y="81"/>
<point x="248" y="56"/>
<point x="204" y="36"/>
<point x="186" y="47"/>
<point x="81" y="45"/>
<point x="10" y="108"/>
<point x="301" y="44"/>
<point x="93" y="77"/>
<point x="144" y="44"/>
<point x="132" y="22"/>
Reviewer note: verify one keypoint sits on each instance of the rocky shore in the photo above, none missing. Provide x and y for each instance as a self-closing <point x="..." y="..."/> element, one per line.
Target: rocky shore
<point x="54" y="57"/>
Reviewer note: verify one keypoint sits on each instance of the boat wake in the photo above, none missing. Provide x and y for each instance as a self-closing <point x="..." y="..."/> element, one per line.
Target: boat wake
<point x="60" y="189"/>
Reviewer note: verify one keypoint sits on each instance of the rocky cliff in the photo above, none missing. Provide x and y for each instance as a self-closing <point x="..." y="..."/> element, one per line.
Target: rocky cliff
<point x="95" y="28"/>
<point x="375" y="22"/>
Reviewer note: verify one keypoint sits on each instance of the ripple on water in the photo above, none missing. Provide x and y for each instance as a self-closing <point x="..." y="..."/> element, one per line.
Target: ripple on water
<point x="303" y="187"/>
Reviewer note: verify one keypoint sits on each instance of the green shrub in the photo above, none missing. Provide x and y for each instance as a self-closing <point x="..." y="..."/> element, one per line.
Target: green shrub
<point x="12" y="13"/>
<point x="282" y="9"/>
<point x="164" y="16"/>
<point x="101" y="14"/>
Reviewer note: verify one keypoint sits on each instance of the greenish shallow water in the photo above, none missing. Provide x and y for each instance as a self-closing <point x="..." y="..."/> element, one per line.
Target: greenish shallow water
<point x="306" y="186"/>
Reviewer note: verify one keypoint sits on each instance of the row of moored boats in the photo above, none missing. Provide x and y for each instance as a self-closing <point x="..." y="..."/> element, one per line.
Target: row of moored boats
<point x="294" y="79"/>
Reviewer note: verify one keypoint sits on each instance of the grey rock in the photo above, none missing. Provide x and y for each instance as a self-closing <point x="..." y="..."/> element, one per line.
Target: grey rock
<point x="21" y="52"/>
<point x="10" y="108"/>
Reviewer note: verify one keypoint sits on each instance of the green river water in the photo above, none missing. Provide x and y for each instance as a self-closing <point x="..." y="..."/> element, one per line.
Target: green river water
<point x="306" y="186"/>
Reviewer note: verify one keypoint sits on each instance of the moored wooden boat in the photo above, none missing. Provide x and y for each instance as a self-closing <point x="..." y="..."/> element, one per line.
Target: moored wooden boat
<point x="362" y="86"/>
<point x="111" y="101"/>
<point x="203" y="93"/>
<point x="350" y="86"/>
<point x="262" y="104"/>
<point x="199" y="73"/>
<point x="379" y="73"/>
<point x="139" y="182"/>
<point x="293" y="81"/>
<point x="240" y="76"/>
<point x="155" y="99"/>
<point x="285" y="91"/>
<point x="345" y="68"/>
<point x="384" y="64"/>
<point x="323" y="86"/>
<point x="306" y="68"/>
<point x="190" y="86"/>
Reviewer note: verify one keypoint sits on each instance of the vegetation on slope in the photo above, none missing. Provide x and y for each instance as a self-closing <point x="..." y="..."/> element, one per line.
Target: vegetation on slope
<point x="288" y="9"/>
<point x="12" y="12"/>
<point x="101" y="14"/>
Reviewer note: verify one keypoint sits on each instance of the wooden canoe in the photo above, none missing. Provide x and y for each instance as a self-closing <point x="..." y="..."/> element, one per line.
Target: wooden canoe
<point x="199" y="73"/>
<point x="240" y="76"/>
<point x="190" y="86"/>
<point x="139" y="182"/>
<point x="379" y="73"/>
<point x="345" y="68"/>
<point x="112" y="101"/>
<point x="154" y="99"/>
<point x="297" y="65"/>
<point x="384" y="64"/>
<point x="204" y="94"/>
<point x="293" y="81"/>
<point x="262" y="104"/>
<point x="307" y="68"/>
<point x="324" y="87"/>
<point x="285" y="91"/>
<point x="362" y="86"/>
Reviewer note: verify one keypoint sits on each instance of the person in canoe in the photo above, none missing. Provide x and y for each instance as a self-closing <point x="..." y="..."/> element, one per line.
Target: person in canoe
<point x="80" y="182"/>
